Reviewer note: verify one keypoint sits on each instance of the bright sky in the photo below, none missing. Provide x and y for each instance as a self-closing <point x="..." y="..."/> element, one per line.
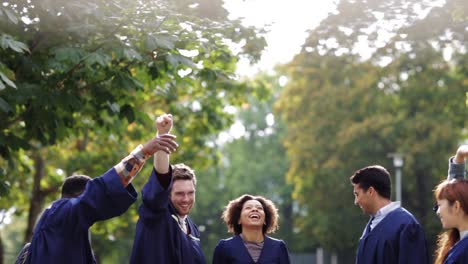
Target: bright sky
<point x="288" y="22"/>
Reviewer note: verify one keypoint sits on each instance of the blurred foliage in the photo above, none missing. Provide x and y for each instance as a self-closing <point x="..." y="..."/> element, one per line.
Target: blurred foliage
<point x="344" y="111"/>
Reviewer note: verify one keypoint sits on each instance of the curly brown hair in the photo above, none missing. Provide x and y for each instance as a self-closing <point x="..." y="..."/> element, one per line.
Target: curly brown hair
<point x="232" y="212"/>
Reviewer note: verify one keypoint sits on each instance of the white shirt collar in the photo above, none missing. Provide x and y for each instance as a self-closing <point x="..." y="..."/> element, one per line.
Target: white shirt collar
<point x="388" y="208"/>
<point x="182" y="219"/>
<point x="383" y="212"/>
<point x="463" y="234"/>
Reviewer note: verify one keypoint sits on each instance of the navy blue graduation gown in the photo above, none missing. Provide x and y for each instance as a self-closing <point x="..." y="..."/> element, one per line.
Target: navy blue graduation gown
<point x="458" y="254"/>
<point x="62" y="236"/>
<point x="233" y="251"/>
<point x="398" y="238"/>
<point x="158" y="236"/>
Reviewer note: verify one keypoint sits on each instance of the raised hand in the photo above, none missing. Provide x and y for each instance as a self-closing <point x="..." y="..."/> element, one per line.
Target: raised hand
<point x="462" y="153"/>
<point x="164" y="124"/>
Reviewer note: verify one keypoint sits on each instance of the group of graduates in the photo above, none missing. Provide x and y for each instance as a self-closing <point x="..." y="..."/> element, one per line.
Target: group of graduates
<point x="166" y="234"/>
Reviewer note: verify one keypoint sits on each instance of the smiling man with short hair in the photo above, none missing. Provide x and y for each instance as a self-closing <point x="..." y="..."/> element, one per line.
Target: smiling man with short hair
<point x="392" y="234"/>
<point x="165" y="233"/>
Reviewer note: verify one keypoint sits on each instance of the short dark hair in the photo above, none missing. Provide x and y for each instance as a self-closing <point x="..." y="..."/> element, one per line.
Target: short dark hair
<point x="232" y="213"/>
<point x="181" y="171"/>
<point x="74" y="185"/>
<point x="374" y="176"/>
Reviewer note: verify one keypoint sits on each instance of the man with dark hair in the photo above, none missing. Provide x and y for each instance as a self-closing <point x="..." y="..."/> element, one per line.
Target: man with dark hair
<point x="62" y="233"/>
<point x="74" y="185"/>
<point x="164" y="232"/>
<point x="392" y="234"/>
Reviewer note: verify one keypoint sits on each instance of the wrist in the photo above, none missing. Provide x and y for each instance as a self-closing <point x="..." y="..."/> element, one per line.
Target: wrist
<point x="459" y="159"/>
<point x="129" y="167"/>
<point x="140" y="153"/>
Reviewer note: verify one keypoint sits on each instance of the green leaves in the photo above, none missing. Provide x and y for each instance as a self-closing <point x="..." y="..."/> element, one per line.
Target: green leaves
<point x="8" y="14"/>
<point x="97" y="73"/>
<point x="4" y="106"/>
<point x="175" y="60"/>
<point x="5" y="81"/>
<point x="100" y="58"/>
<point x="131" y="54"/>
<point x="71" y="55"/>
<point x="161" y="41"/>
<point x="7" y="41"/>
<point x="4" y="184"/>
<point x="124" y="81"/>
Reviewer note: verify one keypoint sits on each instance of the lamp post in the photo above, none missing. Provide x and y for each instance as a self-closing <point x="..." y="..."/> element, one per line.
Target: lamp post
<point x="398" y="164"/>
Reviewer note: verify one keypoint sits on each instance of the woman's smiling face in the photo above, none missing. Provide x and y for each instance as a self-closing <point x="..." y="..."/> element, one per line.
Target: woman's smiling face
<point x="252" y="214"/>
<point x="445" y="213"/>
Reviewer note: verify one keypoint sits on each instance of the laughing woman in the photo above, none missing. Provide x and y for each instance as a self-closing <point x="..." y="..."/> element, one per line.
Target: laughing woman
<point x="250" y="218"/>
<point x="452" y="209"/>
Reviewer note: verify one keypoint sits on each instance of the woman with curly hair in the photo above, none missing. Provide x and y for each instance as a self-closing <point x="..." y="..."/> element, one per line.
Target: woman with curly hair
<point x="452" y="209"/>
<point x="250" y="218"/>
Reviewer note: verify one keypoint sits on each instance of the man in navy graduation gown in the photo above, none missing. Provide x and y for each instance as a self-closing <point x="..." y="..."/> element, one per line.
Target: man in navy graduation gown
<point x="164" y="232"/>
<point x="392" y="234"/>
<point x="62" y="233"/>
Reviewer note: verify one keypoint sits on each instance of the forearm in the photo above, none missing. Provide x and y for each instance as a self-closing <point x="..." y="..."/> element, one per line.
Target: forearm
<point x="457" y="163"/>
<point x="161" y="162"/>
<point x="103" y="198"/>
<point x="129" y="166"/>
<point x="456" y="168"/>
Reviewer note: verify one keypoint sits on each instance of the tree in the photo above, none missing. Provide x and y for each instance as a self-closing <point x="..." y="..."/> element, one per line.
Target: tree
<point x="72" y="89"/>
<point x="62" y="76"/>
<point x="344" y="112"/>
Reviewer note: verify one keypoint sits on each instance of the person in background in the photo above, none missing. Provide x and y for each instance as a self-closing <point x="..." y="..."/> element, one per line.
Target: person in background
<point x="251" y="218"/>
<point x="165" y="233"/>
<point x="452" y="208"/>
<point x="392" y="234"/>
<point x="62" y="232"/>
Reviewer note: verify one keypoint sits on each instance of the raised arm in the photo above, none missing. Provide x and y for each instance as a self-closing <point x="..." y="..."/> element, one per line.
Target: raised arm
<point x="155" y="192"/>
<point x="161" y="158"/>
<point x="111" y="194"/>
<point x="457" y="163"/>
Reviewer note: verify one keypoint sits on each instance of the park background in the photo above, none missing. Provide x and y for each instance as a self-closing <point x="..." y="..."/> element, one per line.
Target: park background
<point x="81" y="83"/>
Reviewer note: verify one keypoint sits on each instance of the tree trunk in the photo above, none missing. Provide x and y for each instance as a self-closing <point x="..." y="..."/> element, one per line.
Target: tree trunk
<point x="38" y="195"/>
<point x="37" y="198"/>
